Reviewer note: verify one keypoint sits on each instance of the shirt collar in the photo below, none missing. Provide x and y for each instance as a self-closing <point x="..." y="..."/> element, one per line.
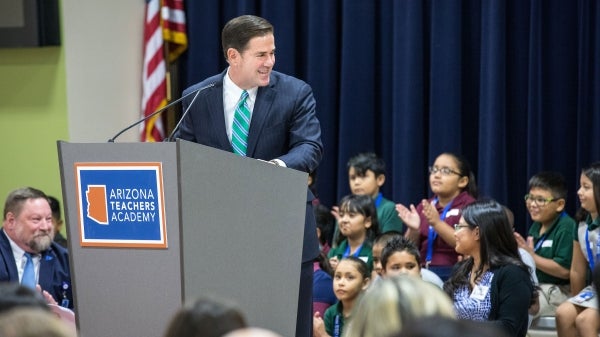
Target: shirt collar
<point x="553" y="225"/>
<point x="18" y="252"/>
<point x="236" y="91"/>
<point x="592" y="224"/>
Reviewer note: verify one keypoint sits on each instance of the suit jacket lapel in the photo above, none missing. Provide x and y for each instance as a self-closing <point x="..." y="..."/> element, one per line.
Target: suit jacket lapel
<point x="217" y="115"/>
<point x="46" y="270"/>
<point x="262" y="108"/>
<point x="8" y="257"/>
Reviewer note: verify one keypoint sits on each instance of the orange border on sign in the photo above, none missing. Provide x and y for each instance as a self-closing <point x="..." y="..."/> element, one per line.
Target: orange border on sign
<point x="127" y="244"/>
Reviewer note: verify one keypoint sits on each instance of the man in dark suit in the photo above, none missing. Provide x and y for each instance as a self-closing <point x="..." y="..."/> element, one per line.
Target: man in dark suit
<point x="283" y="127"/>
<point x="28" y="230"/>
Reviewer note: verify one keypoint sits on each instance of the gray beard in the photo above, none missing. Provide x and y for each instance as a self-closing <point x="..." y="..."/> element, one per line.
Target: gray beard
<point x="40" y="243"/>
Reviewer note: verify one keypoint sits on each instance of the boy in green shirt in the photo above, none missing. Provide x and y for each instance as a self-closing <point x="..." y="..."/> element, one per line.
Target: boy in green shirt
<point x="550" y="240"/>
<point x="366" y="175"/>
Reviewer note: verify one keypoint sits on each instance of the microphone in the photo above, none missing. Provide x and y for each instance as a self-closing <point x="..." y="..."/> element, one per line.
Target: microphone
<point x="197" y="91"/>
<point x="168" y="139"/>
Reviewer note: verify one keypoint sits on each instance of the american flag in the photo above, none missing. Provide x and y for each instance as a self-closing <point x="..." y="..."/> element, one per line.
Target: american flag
<point x="164" y="23"/>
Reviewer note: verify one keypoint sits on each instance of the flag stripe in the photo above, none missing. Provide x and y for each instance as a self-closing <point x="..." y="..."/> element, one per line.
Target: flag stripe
<point x="163" y="24"/>
<point x="153" y="73"/>
<point x="173" y="16"/>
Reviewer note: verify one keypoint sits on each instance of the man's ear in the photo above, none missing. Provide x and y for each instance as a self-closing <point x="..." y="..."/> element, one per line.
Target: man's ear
<point x="233" y="56"/>
<point x="9" y="220"/>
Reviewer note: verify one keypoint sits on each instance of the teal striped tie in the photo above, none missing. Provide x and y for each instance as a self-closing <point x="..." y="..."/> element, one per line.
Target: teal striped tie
<point x="241" y="125"/>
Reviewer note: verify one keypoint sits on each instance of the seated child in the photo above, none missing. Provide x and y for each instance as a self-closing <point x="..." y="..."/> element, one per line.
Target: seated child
<point x="358" y="226"/>
<point x="325" y="226"/>
<point x="400" y="256"/>
<point x="550" y="239"/>
<point x="579" y="314"/>
<point x="378" y="244"/>
<point x="366" y="175"/>
<point x="350" y="280"/>
<point x="323" y="296"/>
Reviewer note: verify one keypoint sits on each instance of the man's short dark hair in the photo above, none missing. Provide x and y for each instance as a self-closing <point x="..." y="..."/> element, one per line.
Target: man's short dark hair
<point x="239" y="31"/>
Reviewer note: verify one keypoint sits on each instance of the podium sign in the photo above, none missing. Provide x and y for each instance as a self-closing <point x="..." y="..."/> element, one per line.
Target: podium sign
<point x="234" y="227"/>
<point x="120" y="205"/>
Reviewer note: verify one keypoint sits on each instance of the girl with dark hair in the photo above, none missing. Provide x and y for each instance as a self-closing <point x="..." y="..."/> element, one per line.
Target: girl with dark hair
<point x="358" y="227"/>
<point x="430" y="223"/>
<point x="350" y="280"/>
<point x="492" y="283"/>
<point x="579" y="314"/>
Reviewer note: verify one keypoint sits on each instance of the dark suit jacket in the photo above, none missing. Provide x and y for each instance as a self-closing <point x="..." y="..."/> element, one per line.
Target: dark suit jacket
<point x="283" y="126"/>
<point x="284" y="123"/>
<point x="54" y="272"/>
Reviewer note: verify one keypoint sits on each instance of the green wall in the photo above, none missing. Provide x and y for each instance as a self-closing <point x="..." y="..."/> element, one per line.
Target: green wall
<point x="33" y="116"/>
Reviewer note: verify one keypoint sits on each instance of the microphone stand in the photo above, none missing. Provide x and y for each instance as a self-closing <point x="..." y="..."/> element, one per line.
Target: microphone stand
<point x="169" y="139"/>
<point x="197" y="91"/>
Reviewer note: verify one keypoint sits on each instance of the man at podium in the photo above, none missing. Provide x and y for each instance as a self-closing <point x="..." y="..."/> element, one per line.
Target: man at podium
<point x="253" y="111"/>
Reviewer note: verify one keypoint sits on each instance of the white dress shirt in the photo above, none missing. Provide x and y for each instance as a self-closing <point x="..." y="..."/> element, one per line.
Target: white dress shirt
<point x="231" y="97"/>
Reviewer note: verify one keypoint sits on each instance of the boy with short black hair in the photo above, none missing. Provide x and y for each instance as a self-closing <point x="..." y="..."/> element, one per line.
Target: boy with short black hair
<point x="550" y="240"/>
<point x="366" y="176"/>
<point x="378" y="244"/>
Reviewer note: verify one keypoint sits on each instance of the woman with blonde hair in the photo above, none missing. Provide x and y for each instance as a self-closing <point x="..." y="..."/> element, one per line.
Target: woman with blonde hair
<point x="394" y="303"/>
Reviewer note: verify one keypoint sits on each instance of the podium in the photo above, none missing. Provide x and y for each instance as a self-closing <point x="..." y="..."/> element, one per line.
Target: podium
<point x="179" y="221"/>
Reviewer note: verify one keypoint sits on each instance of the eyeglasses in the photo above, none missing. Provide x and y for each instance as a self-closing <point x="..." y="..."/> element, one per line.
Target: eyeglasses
<point x="540" y="201"/>
<point x="445" y="171"/>
<point x="458" y="227"/>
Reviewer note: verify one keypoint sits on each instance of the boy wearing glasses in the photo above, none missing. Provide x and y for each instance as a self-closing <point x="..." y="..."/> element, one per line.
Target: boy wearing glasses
<point x="550" y="240"/>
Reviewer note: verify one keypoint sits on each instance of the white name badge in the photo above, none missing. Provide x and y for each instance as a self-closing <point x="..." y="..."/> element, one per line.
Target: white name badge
<point x="453" y="212"/>
<point x="479" y="292"/>
<point x="547" y="243"/>
<point x="364" y="258"/>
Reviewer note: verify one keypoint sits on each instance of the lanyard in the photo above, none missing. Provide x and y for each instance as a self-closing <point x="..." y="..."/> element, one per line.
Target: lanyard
<point x="538" y="245"/>
<point x="378" y="199"/>
<point x="347" y="252"/>
<point x="336" y="326"/>
<point x="588" y="246"/>
<point x="433" y="234"/>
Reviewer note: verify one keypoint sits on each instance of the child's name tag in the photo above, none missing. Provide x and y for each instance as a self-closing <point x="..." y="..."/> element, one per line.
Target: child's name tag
<point x="453" y="212"/>
<point x="583" y="296"/>
<point x="364" y="258"/>
<point x="479" y="292"/>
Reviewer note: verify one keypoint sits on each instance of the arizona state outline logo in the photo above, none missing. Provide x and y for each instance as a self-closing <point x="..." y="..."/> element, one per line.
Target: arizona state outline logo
<point x="121" y="204"/>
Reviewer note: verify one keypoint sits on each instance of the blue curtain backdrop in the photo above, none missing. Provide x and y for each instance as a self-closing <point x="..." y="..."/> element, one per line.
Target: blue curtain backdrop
<point x="512" y="85"/>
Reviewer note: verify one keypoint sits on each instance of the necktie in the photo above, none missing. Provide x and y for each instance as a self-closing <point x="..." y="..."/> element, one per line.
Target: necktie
<point x="241" y="125"/>
<point x="29" y="273"/>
